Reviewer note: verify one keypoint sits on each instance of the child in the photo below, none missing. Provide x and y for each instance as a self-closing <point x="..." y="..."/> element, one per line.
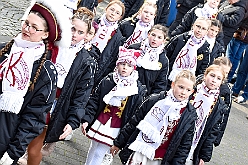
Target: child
<point x="28" y="77"/>
<point x="189" y="50"/>
<point x="152" y="64"/>
<point x="76" y="70"/>
<point x="108" y="38"/>
<point x="215" y="48"/>
<point x="136" y="28"/>
<point x="210" y="108"/>
<point x="111" y="105"/>
<point x="165" y="123"/>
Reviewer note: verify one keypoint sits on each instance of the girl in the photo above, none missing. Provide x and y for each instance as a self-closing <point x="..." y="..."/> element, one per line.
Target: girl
<point x="189" y="50"/>
<point x="108" y="38"/>
<point x="111" y="105"/>
<point x="215" y="48"/>
<point x="76" y="70"/>
<point x="210" y="108"/>
<point x="28" y="78"/>
<point x="136" y="28"/>
<point x="165" y="123"/>
<point x="152" y="64"/>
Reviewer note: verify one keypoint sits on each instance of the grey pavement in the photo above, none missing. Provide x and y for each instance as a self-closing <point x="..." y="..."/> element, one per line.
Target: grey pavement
<point x="233" y="149"/>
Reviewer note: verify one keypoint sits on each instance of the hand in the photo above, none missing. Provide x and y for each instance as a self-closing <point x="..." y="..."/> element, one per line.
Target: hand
<point x="67" y="130"/>
<point x="84" y="126"/>
<point x="201" y="162"/>
<point x="114" y="150"/>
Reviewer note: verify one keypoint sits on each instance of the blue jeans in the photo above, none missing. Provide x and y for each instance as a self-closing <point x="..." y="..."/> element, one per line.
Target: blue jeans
<point x="234" y="52"/>
<point x="242" y="77"/>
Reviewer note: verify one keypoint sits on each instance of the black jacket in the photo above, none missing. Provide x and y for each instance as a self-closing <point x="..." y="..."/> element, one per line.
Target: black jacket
<point x="188" y="20"/>
<point x="162" y="12"/>
<point x="211" y="131"/>
<point x="155" y="80"/>
<point x="90" y="4"/>
<point x="217" y="51"/>
<point x="132" y="7"/>
<point x="109" y="56"/>
<point x="70" y="107"/>
<point x="232" y="17"/>
<point x="177" y="43"/>
<point x="30" y="121"/>
<point x="96" y="104"/>
<point x="186" y="5"/>
<point x="180" y="144"/>
<point x="127" y="27"/>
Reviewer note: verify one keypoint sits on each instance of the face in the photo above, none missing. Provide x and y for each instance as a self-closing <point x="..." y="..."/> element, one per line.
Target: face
<point x="226" y="69"/>
<point x="124" y="69"/>
<point x="213" y="79"/>
<point x="200" y="28"/>
<point x="213" y="31"/>
<point x="79" y="30"/>
<point x="213" y="3"/>
<point x="156" y="38"/>
<point x="90" y="35"/>
<point x="114" y="13"/>
<point x="182" y="88"/>
<point x="33" y="28"/>
<point x="147" y="14"/>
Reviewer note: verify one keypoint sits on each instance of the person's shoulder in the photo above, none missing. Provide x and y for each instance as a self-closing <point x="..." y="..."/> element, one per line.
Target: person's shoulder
<point x="50" y="70"/>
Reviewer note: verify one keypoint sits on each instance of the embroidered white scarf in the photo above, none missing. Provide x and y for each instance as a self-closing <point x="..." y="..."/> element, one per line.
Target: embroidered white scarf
<point x="206" y="11"/>
<point x="149" y="56"/>
<point x="187" y="57"/>
<point x="125" y="86"/>
<point x="16" y="70"/>
<point x="104" y="32"/>
<point x="64" y="61"/>
<point x="153" y="127"/>
<point x="203" y="101"/>
<point x="140" y="32"/>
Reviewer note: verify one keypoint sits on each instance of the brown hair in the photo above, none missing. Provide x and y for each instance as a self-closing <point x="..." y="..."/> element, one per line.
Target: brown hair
<point x="143" y="6"/>
<point x="215" y="68"/>
<point x="217" y="23"/>
<point x="159" y="27"/>
<point x="44" y="20"/>
<point x="185" y="74"/>
<point x="85" y="15"/>
<point x="222" y="61"/>
<point x="118" y="2"/>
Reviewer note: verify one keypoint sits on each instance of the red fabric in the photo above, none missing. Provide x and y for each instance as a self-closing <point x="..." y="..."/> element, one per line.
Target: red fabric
<point x="48" y="118"/>
<point x="115" y="120"/>
<point x="161" y="150"/>
<point x="58" y="92"/>
<point x="54" y="51"/>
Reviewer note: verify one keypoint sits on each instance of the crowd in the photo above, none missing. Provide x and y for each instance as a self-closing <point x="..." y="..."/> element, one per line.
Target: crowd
<point x="150" y="92"/>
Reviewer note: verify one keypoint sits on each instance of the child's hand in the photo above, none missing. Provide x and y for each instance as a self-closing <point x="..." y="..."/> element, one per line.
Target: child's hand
<point x="114" y="150"/>
<point x="84" y="126"/>
<point x="67" y="130"/>
<point x="201" y="162"/>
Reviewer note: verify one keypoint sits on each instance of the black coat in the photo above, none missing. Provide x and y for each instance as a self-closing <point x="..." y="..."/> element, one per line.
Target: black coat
<point x="109" y="56"/>
<point x="188" y="20"/>
<point x="90" y="4"/>
<point x="217" y="51"/>
<point x="180" y="144"/>
<point x="127" y="27"/>
<point x="162" y="12"/>
<point x="132" y="7"/>
<point x="186" y="5"/>
<point x="70" y="107"/>
<point x="31" y="120"/>
<point x="211" y="131"/>
<point x="177" y="43"/>
<point x="155" y="80"/>
<point x="232" y="17"/>
<point x="96" y="104"/>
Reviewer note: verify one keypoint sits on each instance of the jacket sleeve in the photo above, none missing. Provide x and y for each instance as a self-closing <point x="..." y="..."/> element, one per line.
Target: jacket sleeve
<point x="234" y="19"/>
<point x="81" y="96"/>
<point x="160" y="83"/>
<point x="33" y="116"/>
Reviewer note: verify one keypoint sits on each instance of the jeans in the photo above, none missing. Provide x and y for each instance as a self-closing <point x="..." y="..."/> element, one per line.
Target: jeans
<point x="234" y="52"/>
<point x="242" y="77"/>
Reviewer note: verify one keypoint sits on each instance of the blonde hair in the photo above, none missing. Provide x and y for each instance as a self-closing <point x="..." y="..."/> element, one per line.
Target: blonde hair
<point x="118" y="2"/>
<point x="215" y="68"/>
<point x="207" y="20"/>
<point x="143" y="6"/>
<point x="185" y="74"/>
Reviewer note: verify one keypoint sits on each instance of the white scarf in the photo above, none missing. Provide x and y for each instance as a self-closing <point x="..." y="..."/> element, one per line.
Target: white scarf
<point x="149" y="56"/>
<point x="154" y="126"/>
<point x="64" y="61"/>
<point x="203" y="101"/>
<point x="140" y="32"/>
<point x="104" y="32"/>
<point x="187" y="57"/>
<point x="125" y="86"/>
<point x="206" y="11"/>
<point x="211" y="42"/>
<point x="17" y="69"/>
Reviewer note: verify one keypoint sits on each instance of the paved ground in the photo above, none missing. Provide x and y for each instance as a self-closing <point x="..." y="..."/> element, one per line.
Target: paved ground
<point x="232" y="151"/>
